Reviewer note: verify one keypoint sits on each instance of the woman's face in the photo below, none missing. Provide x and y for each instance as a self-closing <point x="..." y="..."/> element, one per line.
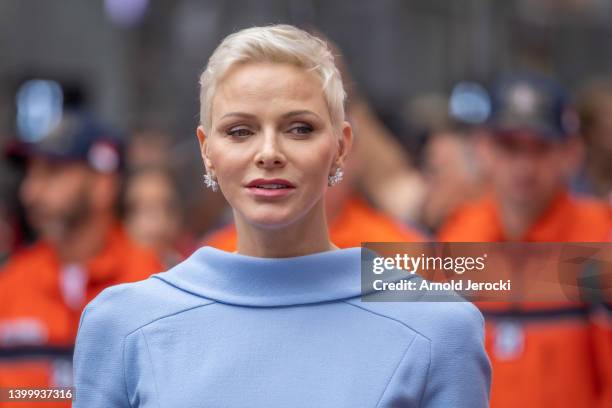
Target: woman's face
<point x="271" y="143"/>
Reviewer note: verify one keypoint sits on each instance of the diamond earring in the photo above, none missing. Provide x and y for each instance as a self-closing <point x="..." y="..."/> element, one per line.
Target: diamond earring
<point x="336" y="178"/>
<point x="210" y="182"/>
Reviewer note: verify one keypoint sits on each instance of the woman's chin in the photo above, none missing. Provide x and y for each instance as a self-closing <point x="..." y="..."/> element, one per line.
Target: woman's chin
<point x="272" y="220"/>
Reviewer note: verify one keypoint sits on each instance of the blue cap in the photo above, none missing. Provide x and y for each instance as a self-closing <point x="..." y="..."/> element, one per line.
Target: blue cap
<point x="78" y="136"/>
<point x="534" y="104"/>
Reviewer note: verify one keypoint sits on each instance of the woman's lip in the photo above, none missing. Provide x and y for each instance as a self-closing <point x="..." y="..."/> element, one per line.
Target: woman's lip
<point x="270" y="192"/>
<point x="259" y="182"/>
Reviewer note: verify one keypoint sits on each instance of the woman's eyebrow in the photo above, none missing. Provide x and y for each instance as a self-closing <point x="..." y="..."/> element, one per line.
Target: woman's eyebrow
<point x="299" y="112"/>
<point x="284" y="115"/>
<point x="239" y="114"/>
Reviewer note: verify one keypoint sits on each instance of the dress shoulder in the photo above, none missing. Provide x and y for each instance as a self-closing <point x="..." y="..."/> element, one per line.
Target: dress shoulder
<point x="123" y="308"/>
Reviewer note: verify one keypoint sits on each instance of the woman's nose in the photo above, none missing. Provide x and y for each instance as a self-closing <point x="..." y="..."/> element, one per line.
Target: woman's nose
<point x="270" y="152"/>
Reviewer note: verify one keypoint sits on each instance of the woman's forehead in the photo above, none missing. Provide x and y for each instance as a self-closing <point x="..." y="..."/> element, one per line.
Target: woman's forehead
<point x="267" y="86"/>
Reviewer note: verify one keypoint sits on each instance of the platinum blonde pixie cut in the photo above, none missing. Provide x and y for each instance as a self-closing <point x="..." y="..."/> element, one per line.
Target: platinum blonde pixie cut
<point x="281" y="43"/>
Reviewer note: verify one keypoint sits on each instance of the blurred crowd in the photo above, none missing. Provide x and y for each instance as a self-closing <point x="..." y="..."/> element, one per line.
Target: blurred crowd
<point x="519" y="159"/>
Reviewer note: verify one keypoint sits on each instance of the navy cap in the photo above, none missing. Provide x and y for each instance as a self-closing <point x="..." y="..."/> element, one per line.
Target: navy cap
<point x="534" y="104"/>
<point x="77" y="137"/>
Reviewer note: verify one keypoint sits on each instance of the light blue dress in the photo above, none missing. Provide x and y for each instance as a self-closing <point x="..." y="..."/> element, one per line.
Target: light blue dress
<point x="227" y="330"/>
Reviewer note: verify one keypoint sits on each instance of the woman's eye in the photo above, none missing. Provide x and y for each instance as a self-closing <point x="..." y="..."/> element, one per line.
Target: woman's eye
<point x="239" y="132"/>
<point x="301" y="130"/>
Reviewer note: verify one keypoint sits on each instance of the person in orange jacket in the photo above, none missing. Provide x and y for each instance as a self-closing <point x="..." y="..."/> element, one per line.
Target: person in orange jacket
<point x="542" y="354"/>
<point x="69" y="192"/>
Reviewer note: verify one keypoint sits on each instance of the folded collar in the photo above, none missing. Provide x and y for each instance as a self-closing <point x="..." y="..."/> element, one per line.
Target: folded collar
<point x="253" y="281"/>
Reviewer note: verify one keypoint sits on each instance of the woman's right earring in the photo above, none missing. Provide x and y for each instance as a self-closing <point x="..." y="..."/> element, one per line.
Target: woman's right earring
<point x="336" y="178"/>
<point x="211" y="182"/>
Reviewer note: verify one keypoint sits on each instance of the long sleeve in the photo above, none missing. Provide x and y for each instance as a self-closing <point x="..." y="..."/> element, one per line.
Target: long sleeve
<point x="98" y="361"/>
<point x="459" y="375"/>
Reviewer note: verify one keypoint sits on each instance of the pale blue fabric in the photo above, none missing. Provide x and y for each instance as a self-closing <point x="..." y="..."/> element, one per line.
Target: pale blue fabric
<point x="228" y="330"/>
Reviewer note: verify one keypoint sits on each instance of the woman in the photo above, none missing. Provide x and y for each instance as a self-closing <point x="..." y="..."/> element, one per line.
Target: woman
<point x="279" y="323"/>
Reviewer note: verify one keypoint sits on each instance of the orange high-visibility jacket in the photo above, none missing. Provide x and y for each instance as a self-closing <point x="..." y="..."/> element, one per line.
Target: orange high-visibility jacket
<point x="544" y="355"/>
<point x="41" y="303"/>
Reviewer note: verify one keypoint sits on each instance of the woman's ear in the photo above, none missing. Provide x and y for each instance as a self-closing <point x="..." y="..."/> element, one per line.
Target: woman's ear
<point x="345" y="142"/>
<point x="202" y="139"/>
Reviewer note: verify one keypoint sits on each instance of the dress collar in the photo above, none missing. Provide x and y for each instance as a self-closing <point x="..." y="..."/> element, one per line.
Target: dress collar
<point x="253" y="281"/>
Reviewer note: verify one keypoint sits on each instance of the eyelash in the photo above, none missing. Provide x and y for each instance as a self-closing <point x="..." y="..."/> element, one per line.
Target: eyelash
<point x="303" y="126"/>
<point x="233" y="132"/>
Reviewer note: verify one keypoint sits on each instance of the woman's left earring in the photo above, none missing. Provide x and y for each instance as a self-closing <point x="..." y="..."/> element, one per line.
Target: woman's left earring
<point x="211" y="182"/>
<point x="336" y="178"/>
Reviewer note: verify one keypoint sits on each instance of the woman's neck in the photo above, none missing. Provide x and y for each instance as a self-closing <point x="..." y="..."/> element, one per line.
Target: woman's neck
<point x="307" y="236"/>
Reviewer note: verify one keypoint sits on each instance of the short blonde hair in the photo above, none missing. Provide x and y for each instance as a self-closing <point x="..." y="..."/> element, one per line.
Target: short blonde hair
<point x="281" y="43"/>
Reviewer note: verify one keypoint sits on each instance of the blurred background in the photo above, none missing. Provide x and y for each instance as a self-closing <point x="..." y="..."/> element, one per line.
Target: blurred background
<point x="421" y="76"/>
